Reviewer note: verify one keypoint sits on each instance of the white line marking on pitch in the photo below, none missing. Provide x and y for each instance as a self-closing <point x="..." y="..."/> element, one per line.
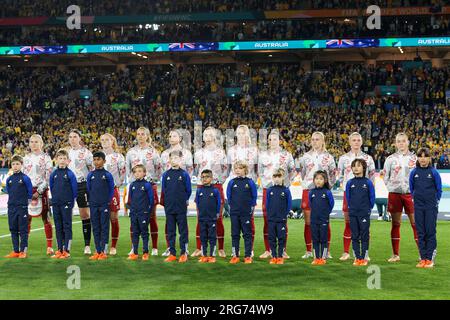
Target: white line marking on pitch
<point x="34" y="230"/>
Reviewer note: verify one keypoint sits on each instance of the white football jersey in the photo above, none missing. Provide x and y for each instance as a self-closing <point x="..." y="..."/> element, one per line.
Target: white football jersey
<point x="213" y="159"/>
<point x="268" y="161"/>
<point x="115" y="164"/>
<point x="39" y="168"/>
<point x="345" y="166"/>
<point x="80" y="162"/>
<point x="247" y="154"/>
<point x="186" y="160"/>
<point x="313" y="161"/>
<point x="149" y="157"/>
<point x="396" y="170"/>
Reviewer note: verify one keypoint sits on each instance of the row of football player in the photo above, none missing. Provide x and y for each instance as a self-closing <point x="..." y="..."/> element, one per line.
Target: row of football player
<point x="396" y="172"/>
<point x="241" y="192"/>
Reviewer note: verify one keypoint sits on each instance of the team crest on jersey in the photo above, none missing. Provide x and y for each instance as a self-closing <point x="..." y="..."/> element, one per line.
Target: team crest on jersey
<point x="201" y="193"/>
<point x="271" y="193"/>
<point x="416" y="176"/>
<point x="429" y="176"/>
<point x="180" y="178"/>
<point x="323" y="195"/>
<point x="168" y="178"/>
<point x="104" y="177"/>
<point x="20" y="181"/>
<point x="282" y="194"/>
<point x="352" y="186"/>
<point x="93" y="177"/>
<point x="313" y="196"/>
<point x="133" y="187"/>
<point x="212" y="194"/>
<point x="247" y="186"/>
<point x="65" y="176"/>
<point x="364" y="186"/>
<point x="143" y="188"/>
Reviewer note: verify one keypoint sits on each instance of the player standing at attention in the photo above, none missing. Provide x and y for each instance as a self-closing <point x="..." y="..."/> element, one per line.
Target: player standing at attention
<point x="321" y="202"/>
<point x="175" y="193"/>
<point x="140" y="200"/>
<point x="268" y="161"/>
<point x="426" y="187"/>
<point x="243" y="150"/>
<point x="115" y="164"/>
<point x="175" y="139"/>
<point x="345" y="173"/>
<point x="212" y="157"/>
<point x="278" y="204"/>
<point x="144" y="153"/>
<point x="63" y="185"/>
<point x="360" y="196"/>
<point x="318" y="158"/>
<point x="397" y="169"/>
<point x="100" y="187"/>
<point x="241" y="195"/>
<point x="20" y="191"/>
<point x="80" y="162"/>
<point x="37" y="165"/>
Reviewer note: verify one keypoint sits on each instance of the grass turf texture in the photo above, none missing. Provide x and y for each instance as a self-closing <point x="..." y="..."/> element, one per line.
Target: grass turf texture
<point x="40" y="277"/>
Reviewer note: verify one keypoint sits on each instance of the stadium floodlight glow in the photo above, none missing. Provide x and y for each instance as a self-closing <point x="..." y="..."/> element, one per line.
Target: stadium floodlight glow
<point x="145" y="57"/>
<point x="156" y="27"/>
<point x="148" y="26"/>
<point x="133" y="53"/>
<point x="140" y="26"/>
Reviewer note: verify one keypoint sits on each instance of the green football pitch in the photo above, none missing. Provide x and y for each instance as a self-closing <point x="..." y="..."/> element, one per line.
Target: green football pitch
<point x="40" y="277"/>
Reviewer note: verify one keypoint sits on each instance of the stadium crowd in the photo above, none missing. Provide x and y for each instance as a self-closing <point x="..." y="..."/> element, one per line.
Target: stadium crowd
<point x="27" y="8"/>
<point x="337" y="101"/>
<point x="399" y="26"/>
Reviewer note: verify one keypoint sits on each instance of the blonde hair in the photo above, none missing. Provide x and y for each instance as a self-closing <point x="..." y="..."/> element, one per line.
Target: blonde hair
<point x="354" y="134"/>
<point x="147" y="133"/>
<point x="114" y="140"/>
<point x="320" y="133"/>
<point x="247" y="132"/>
<point x="279" y="171"/>
<point x="401" y="134"/>
<point x="38" y="136"/>
<point x="241" y="164"/>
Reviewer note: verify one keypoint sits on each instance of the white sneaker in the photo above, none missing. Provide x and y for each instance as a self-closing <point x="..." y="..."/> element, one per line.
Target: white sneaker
<point x="285" y="255"/>
<point x="265" y="255"/>
<point x="345" y="256"/>
<point x="329" y="255"/>
<point x="394" y="258"/>
<point x="112" y="251"/>
<point x="166" y="253"/>
<point x="87" y="250"/>
<point x="252" y="255"/>
<point x="307" y="255"/>
<point x="222" y="254"/>
<point x="50" y="251"/>
<point x="196" y="253"/>
<point x="154" y="252"/>
<point x="131" y="251"/>
<point x="380" y="218"/>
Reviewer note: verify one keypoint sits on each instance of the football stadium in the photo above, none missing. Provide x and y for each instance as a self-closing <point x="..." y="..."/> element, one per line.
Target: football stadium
<point x="280" y="150"/>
